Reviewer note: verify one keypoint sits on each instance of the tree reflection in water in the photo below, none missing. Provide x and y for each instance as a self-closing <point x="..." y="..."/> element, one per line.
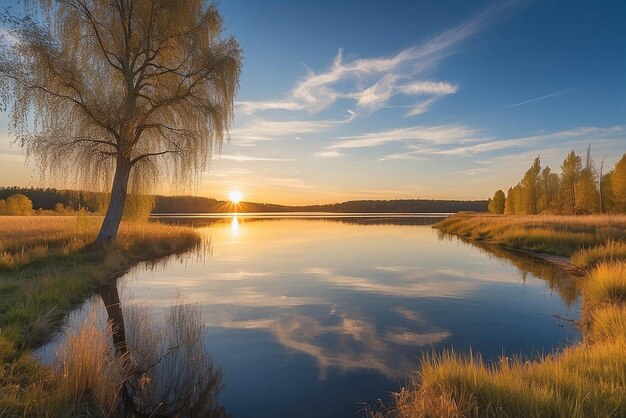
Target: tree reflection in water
<point x="559" y="280"/>
<point x="170" y="372"/>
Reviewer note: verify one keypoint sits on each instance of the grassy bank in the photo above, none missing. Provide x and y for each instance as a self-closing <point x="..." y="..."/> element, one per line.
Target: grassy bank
<point x="585" y="380"/>
<point x="46" y="270"/>
<point x="551" y="234"/>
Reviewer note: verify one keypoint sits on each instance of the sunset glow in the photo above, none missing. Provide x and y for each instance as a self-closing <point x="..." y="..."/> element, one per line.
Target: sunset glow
<point x="234" y="196"/>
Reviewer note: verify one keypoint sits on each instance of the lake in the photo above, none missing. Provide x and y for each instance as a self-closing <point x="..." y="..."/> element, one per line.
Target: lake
<point x="310" y="315"/>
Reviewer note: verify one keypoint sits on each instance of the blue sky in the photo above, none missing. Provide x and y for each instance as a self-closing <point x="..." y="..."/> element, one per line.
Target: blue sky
<point x="439" y="99"/>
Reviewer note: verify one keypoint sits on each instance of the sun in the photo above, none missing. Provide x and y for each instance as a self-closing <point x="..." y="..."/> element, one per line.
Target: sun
<point x="235" y="196"/>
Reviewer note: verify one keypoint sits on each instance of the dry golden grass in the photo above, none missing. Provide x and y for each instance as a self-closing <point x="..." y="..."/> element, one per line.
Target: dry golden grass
<point x="88" y="370"/>
<point x="606" y="284"/>
<point x="24" y="239"/>
<point x="607" y="252"/>
<point x="608" y="323"/>
<point x="554" y="234"/>
<point x="47" y="282"/>
<point x="581" y="381"/>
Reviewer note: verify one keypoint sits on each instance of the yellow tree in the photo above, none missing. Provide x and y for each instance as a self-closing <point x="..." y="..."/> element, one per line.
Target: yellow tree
<point x="588" y="199"/>
<point x="16" y="205"/>
<point x="531" y="183"/>
<point x="618" y="184"/>
<point x="549" y="190"/>
<point x="608" y="195"/>
<point x="121" y="92"/>
<point x="509" y="203"/>
<point x="570" y="175"/>
<point x="497" y="202"/>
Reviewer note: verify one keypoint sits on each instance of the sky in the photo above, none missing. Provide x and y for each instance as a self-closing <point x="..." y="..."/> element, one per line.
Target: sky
<point x="407" y="99"/>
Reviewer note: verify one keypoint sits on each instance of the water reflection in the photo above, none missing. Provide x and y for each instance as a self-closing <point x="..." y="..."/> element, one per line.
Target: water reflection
<point x="558" y="279"/>
<point x="337" y="311"/>
<point x="234" y="227"/>
<point x="338" y="341"/>
<point x="169" y="369"/>
<point x="111" y="300"/>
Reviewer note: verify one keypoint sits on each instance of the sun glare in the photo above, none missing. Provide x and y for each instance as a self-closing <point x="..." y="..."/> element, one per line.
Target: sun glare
<point x="234" y="227"/>
<point x="235" y="196"/>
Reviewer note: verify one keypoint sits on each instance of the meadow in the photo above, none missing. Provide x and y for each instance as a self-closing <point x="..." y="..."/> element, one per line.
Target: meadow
<point x="588" y="379"/>
<point x="47" y="268"/>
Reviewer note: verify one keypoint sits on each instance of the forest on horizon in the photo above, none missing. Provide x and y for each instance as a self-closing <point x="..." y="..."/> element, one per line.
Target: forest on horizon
<point x="49" y="198"/>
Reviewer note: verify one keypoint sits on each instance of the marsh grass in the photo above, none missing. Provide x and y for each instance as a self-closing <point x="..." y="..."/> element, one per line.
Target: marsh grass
<point x="558" y="235"/>
<point x="585" y="380"/>
<point x="608" y="323"/>
<point x="606" y="284"/>
<point x="47" y="270"/>
<point x="610" y="251"/>
<point x="88" y="370"/>
<point x="581" y="381"/>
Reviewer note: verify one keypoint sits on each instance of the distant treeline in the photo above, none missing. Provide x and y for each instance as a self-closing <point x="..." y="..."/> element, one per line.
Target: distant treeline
<point x="191" y="204"/>
<point x="581" y="188"/>
<point x="48" y="198"/>
<point x="196" y="204"/>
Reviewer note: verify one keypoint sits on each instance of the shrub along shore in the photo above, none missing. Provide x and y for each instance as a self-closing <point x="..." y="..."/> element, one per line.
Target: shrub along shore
<point x="588" y="379"/>
<point x="46" y="270"/>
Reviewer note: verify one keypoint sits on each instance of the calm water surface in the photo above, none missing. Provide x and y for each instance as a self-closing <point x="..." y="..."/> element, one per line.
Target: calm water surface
<point x="315" y="317"/>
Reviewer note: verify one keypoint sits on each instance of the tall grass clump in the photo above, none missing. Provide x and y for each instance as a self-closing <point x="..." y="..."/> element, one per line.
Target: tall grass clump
<point x="88" y="369"/>
<point x="607" y="252"/>
<point x="608" y="323"/>
<point x="606" y="284"/>
<point x="173" y="373"/>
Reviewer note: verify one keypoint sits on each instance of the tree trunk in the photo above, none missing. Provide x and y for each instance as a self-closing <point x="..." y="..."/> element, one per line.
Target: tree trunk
<point x="108" y="231"/>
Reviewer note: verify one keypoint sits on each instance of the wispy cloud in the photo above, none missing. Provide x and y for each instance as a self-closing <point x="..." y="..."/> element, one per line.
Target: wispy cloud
<point x="376" y="96"/>
<point x="239" y="157"/>
<point x="253" y="107"/>
<point x="441" y="134"/>
<point x="564" y="138"/>
<point x="590" y="134"/>
<point x="536" y="99"/>
<point x="327" y="154"/>
<point x="266" y="130"/>
<point x="372" y="82"/>
<point x="422" y="107"/>
<point x="427" y="87"/>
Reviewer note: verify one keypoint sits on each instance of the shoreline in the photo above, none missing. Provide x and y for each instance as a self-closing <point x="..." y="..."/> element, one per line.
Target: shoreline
<point x="49" y="270"/>
<point x="586" y="379"/>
